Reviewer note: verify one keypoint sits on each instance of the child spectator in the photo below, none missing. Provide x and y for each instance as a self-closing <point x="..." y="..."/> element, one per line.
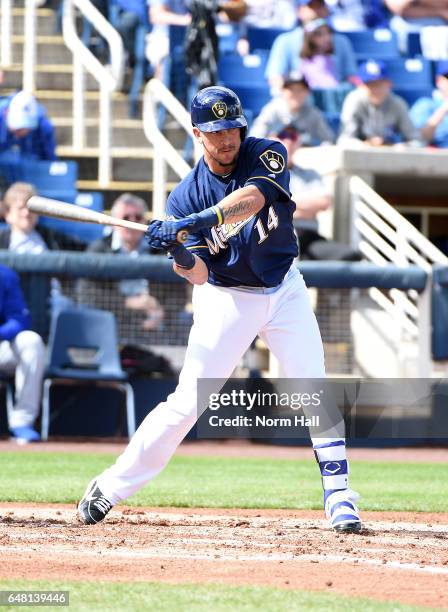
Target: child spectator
<point x="372" y="114"/>
<point x="324" y="64"/>
<point x="293" y="107"/>
<point x="285" y="55"/>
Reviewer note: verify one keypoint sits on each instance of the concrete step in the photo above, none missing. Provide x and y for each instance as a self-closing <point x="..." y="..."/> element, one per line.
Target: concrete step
<point x="48" y="76"/>
<point x="128" y="164"/>
<point x="125" y="132"/>
<point x="143" y="189"/>
<point x="60" y="103"/>
<point x="50" y="50"/>
<point x="46" y="21"/>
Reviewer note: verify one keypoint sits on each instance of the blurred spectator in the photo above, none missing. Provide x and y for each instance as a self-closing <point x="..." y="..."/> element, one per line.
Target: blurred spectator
<point x="372" y="114"/>
<point x="162" y="14"/>
<point x="356" y="15"/>
<point x="311" y="197"/>
<point x="23" y="234"/>
<point x="322" y="62"/>
<point x="132" y="294"/>
<point x="271" y="14"/>
<point x="131" y="14"/>
<point x="285" y="55"/>
<point x="21" y="351"/>
<point x="293" y="107"/>
<point x="25" y="129"/>
<point x="430" y="115"/>
<point x="413" y="15"/>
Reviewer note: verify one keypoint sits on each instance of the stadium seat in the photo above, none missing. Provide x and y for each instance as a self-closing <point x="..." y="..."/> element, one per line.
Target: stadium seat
<point x="330" y="100"/>
<point x="377" y="44"/>
<point x="411" y="94"/>
<point x="86" y="232"/>
<point x="83" y="350"/>
<point x="262" y="38"/>
<point x="91" y="199"/>
<point x="414" y="47"/>
<point x="228" y="36"/>
<point x="233" y="68"/>
<point x="253" y="97"/>
<point x="410" y="73"/>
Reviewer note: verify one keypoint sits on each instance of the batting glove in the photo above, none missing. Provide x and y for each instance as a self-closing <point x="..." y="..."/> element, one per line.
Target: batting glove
<point x="163" y="234"/>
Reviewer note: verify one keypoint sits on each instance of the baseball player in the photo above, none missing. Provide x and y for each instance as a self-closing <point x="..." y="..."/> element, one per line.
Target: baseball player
<point x="236" y="207"/>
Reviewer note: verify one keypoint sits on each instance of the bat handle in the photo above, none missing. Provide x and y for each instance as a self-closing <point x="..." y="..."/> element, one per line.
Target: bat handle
<point x="182" y="236"/>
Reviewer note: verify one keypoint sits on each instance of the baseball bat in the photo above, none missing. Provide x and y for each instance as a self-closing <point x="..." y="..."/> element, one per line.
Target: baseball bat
<point x="72" y="212"/>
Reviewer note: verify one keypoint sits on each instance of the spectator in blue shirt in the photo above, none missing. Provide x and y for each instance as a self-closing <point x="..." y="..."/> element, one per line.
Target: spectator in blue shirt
<point x="285" y="59"/>
<point x="25" y="130"/>
<point x="430" y="115"/>
<point x="21" y="351"/>
<point x="131" y="14"/>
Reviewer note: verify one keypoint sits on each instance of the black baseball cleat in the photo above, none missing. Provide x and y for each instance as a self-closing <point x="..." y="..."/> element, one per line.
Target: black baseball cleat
<point x="93" y="507"/>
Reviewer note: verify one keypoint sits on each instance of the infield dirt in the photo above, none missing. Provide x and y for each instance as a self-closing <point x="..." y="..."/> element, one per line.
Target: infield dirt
<point x="399" y="556"/>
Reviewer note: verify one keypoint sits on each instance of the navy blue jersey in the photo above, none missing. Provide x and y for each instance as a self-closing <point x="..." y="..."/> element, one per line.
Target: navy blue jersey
<point x="258" y="251"/>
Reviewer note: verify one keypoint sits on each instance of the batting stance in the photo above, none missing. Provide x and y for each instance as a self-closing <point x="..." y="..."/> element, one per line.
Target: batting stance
<point x="236" y="206"/>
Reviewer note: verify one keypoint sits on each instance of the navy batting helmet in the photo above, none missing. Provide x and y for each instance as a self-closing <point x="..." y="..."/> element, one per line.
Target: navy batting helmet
<point x="217" y="108"/>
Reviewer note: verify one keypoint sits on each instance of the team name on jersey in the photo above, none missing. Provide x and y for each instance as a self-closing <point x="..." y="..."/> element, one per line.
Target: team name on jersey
<point x="221" y="234"/>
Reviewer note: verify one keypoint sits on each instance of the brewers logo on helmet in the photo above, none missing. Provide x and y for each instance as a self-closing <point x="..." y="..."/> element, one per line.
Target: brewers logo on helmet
<point x="217" y="108"/>
<point x="220" y="109"/>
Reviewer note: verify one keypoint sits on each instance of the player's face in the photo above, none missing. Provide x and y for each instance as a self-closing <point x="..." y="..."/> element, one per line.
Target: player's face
<point x="220" y="148"/>
<point x="19" y="217"/>
<point x="377" y="91"/>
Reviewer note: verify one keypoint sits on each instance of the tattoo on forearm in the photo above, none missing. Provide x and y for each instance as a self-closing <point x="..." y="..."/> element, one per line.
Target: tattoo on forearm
<point x="239" y="208"/>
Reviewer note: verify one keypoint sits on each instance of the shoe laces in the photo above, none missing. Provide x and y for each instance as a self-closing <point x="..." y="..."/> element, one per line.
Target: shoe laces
<point x="102" y="504"/>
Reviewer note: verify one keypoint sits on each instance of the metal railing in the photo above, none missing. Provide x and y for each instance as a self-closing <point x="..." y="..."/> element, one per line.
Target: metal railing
<point x="164" y="153"/>
<point x="29" y="46"/>
<point x="6" y="33"/>
<point x="109" y="79"/>
<point x="384" y="236"/>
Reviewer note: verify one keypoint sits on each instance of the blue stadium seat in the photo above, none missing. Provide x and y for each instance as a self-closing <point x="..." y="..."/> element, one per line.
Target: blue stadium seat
<point x="253" y="97"/>
<point x="376" y="44"/>
<point x="410" y="73"/>
<point x="83" y="350"/>
<point x="86" y="232"/>
<point x="50" y="176"/>
<point x="414" y="46"/>
<point x="91" y="199"/>
<point x="228" y="36"/>
<point x="233" y="68"/>
<point x="411" y="94"/>
<point x="262" y="38"/>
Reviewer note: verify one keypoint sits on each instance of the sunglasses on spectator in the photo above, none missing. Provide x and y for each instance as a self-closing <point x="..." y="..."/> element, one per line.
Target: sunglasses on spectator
<point x="288" y="135"/>
<point x="133" y="217"/>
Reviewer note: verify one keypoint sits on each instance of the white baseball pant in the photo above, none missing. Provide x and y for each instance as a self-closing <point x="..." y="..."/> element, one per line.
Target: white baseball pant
<point x="226" y="321"/>
<point x="25" y="355"/>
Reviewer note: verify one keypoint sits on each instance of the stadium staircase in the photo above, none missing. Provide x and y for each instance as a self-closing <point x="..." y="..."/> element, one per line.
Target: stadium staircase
<point x="131" y="152"/>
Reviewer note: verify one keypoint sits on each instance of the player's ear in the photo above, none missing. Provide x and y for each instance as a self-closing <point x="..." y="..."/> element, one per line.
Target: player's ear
<point x="197" y="134"/>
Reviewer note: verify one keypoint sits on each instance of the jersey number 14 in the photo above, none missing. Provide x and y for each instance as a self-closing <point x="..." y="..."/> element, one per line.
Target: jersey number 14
<point x="271" y="225"/>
